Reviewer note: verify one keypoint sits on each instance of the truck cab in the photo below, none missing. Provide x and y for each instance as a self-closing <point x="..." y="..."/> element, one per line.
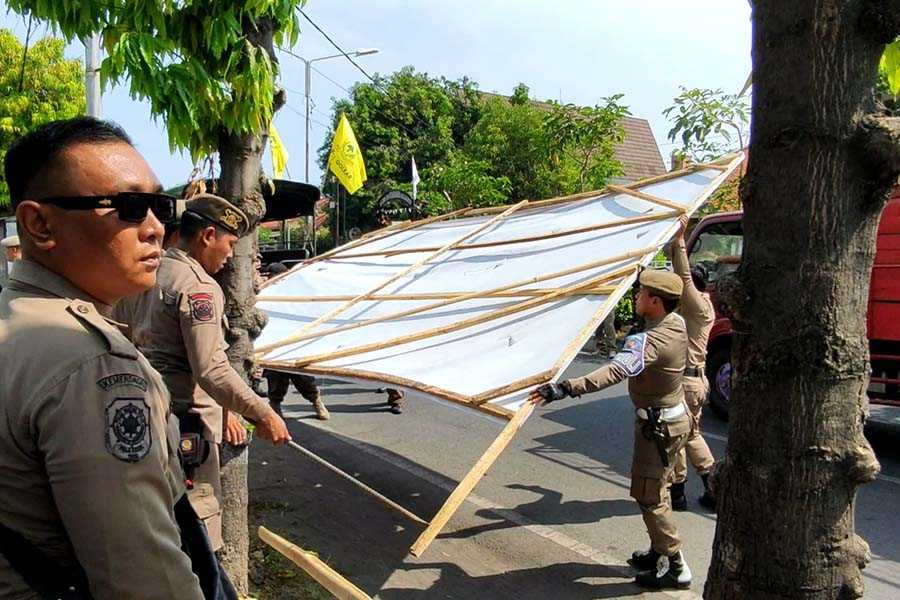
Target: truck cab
<point x="716" y="243"/>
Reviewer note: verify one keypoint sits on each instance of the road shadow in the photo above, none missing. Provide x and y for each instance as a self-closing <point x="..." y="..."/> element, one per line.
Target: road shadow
<point x="369" y="543"/>
<point x="549" y="509"/>
<point x="561" y="580"/>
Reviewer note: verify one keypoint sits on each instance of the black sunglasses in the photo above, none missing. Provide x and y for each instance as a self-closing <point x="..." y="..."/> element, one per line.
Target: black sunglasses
<point x="130" y="206"/>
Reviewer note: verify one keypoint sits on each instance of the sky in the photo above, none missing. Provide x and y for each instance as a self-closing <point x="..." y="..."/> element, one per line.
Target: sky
<point x="577" y="51"/>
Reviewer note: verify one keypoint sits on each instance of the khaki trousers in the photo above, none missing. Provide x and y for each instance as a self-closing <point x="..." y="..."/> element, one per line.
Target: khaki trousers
<point x="650" y="480"/>
<point x="696" y="450"/>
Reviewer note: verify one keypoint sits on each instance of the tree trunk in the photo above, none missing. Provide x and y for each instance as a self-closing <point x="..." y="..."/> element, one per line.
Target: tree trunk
<point x="241" y="162"/>
<point x="821" y="166"/>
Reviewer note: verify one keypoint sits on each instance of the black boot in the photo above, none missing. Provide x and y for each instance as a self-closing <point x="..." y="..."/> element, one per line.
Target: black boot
<point x="679" y="500"/>
<point x="644" y="560"/>
<point x="707" y="500"/>
<point x="670" y="572"/>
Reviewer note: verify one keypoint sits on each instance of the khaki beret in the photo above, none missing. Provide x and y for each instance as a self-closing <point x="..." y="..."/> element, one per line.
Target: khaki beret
<point x="220" y="212"/>
<point x="662" y="283"/>
<point x="10" y="242"/>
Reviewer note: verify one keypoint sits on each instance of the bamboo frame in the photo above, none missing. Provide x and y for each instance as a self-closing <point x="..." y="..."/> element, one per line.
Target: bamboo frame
<point x="411" y="268"/>
<point x="375" y="494"/>
<point x="298" y="337"/>
<point x="648" y="197"/>
<point x="521" y="240"/>
<point x="400" y="382"/>
<point x="425" y="296"/>
<point x="468" y="483"/>
<point x="331" y="580"/>
<point x="444" y="329"/>
<point x="373" y="236"/>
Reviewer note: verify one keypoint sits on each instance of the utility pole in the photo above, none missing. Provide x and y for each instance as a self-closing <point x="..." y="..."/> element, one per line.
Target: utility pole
<point x="307" y="71"/>
<point x="92" y="75"/>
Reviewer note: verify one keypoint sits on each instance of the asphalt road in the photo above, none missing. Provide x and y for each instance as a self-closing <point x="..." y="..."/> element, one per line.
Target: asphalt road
<point x="552" y="519"/>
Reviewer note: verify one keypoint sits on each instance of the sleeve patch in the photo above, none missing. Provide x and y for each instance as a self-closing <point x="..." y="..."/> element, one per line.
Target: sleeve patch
<point x="202" y="308"/>
<point x="631" y="357"/>
<point x="122" y="380"/>
<point x="128" y="429"/>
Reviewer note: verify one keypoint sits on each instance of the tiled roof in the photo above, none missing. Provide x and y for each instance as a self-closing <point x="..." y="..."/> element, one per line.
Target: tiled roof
<point x="639" y="153"/>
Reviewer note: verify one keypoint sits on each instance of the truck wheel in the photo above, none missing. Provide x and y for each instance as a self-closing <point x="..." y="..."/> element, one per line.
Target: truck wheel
<point x="718" y="372"/>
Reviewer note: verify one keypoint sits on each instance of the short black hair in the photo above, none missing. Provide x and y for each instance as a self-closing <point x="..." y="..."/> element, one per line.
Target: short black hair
<point x="40" y="147"/>
<point x="698" y="276"/>
<point x="669" y="304"/>
<point x="193" y="223"/>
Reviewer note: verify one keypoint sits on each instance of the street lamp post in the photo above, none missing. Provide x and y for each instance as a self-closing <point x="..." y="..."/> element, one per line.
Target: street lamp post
<point x="307" y="73"/>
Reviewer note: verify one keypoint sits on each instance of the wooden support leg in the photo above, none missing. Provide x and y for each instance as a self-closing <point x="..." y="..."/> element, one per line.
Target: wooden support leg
<point x="375" y="494"/>
<point x="469" y="482"/>
<point x="330" y="579"/>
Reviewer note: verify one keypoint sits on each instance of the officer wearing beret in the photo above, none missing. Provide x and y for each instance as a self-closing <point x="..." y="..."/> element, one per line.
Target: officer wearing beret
<point x="653" y="362"/>
<point x="11" y="248"/>
<point x="183" y="336"/>
<point x="90" y="485"/>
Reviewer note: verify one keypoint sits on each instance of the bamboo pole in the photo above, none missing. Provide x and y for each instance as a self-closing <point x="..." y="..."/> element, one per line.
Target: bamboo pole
<point x="468" y="483"/>
<point x="515" y="386"/>
<point x="426" y="296"/>
<point x="648" y="197"/>
<point x="375" y="494"/>
<point x="525" y="239"/>
<point x="315" y="334"/>
<point x="411" y="268"/>
<point x="444" y="329"/>
<point x="330" y="579"/>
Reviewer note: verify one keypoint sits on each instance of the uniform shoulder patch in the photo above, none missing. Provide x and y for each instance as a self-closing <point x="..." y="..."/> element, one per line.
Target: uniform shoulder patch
<point x="631" y="357"/>
<point x="128" y="429"/>
<point x="122" y="380"/>
<point x="202" y="307"/>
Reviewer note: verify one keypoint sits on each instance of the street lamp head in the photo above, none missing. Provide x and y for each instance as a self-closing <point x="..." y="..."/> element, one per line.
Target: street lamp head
<point x="366" y="51"/>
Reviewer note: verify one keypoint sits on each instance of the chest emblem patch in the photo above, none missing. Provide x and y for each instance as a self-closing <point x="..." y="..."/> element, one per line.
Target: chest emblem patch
<point x="128" y="429"/>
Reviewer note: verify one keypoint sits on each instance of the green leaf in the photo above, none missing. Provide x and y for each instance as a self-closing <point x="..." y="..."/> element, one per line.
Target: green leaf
<point x="890" y="66"/>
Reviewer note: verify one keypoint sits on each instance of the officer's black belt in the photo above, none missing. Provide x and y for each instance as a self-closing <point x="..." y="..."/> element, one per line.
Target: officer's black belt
<point x="693" y="372"/>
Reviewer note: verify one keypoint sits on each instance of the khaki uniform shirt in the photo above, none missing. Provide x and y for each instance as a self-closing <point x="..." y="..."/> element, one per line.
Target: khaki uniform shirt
<point x="695" y="307"/>
<point x="89" y="472"/>
<point x="183" y="329"/>
<point x="652" y="361"/>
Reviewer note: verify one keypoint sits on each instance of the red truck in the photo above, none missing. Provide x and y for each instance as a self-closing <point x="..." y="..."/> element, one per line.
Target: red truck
<point x="717" y="241"/>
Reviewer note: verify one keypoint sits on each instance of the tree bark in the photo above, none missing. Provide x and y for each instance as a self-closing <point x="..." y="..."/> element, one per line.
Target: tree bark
<point x="819" y="174"/>
<point x="240" y="159"/>
<point x="241" y="164"/>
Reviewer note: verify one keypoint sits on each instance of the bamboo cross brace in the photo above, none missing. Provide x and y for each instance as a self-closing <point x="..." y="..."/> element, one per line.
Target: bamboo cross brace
<point x="375" y="236"/>
<point x="468" y="483"/>
<point x="427" y="296"/>
<point x="331" y="580"/>
<point x="303" y="334"/>
<point x="410" y="269"/>
<point x="521" y="240"/>
<point x="435" y="331"/>
<point x="648" y="197"/>
<point x="375" y="494"/>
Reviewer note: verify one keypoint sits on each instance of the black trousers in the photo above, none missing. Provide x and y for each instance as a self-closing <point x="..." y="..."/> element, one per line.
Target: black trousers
<point x="195" y="543"/>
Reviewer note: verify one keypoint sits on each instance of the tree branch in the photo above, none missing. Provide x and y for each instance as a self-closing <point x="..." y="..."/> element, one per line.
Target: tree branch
<point x="879" y="139"/>
<point x="881" y="18"/>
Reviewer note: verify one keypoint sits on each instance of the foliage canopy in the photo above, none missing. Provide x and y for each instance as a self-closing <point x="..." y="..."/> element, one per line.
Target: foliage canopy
<point x="195" y="62"/>
<point x="44" y="88"/>
<point x="481" y="149"/>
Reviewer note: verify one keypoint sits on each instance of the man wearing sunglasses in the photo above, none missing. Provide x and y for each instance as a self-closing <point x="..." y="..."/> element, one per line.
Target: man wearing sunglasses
<point x="90" y="485"/>
<point x="184" y="331"/>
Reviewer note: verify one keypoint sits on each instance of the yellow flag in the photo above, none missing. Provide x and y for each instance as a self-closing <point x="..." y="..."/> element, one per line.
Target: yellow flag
<point x="345" y="160"/>
<point x="280" y="154"/>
